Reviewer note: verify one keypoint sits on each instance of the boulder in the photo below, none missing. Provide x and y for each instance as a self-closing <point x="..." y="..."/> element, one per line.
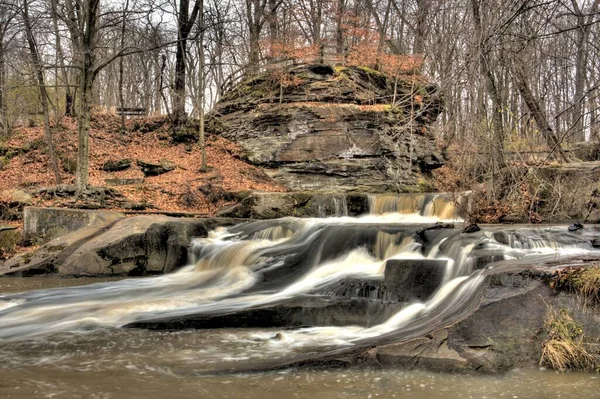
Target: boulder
<point x="115" y="166"/>
<point x="155" y="169"/>
<point x="586" y="151"/>
<point x="504" y="333"/>
<point x="4" y="227"/>
<point x="45" y="259"/>
<point x="334" y="129"/>
<point x="9" y="238"/>
<point x="133" y="246"/>
<point x="41" y="225"/>
<point x="12" y="203"/>
<point x="16" y="198"/>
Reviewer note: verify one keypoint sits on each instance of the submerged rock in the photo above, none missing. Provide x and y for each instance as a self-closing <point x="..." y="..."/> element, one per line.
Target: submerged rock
<point x="341" y="129"/>
<point x="575" y="226"/>
<point x="414" y="279"/>
<point x="471" y="228"/>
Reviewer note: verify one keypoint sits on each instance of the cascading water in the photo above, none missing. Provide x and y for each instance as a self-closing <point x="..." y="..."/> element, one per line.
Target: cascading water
<point x="425" y="204"/>
<point x="326" y="276"/>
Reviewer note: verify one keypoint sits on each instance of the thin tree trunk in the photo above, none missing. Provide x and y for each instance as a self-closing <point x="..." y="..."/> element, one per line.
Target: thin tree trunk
<point x="273" y="27"/>
<point x="421" y="26"/>
<point x="581" y="60"/>
<point x="339" y="29"/>
<point x="253" y="14"/>
<point x="185" y="22"/>
<point x="180" y="61"/>
<point x="69" y="105"/>
<point x="90" y="14"/>
<point x="158" y="94"/>
<point x="3" y="108"/>
<point x="73" y="12"/>
<point x="317" y="21"/>
<point x="122" y="69"/>
<point x="538" y="115"/>
<point x="492" y="89"/>
<point x="201" y="88"/>
<point x="39" y="72"/>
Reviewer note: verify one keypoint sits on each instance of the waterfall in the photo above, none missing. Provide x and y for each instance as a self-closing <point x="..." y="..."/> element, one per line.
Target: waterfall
<point x="329" y="274"/>
<point x="425" y="204"/>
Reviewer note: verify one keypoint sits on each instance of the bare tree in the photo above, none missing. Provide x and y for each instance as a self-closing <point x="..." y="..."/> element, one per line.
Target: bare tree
<point x="39" y="73"/>
<point x="89" y="28"/>
<point x="185" y="22"/>
<point x="122" y="66"/>
<point x="8" y="12"/>
<point x="201" y="87"/>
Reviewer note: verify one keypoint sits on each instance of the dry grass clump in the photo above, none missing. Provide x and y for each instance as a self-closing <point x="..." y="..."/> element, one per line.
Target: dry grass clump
<point x="587" y="283"/>
<point x="564" y="350"/>
<point x="583" y="281"/>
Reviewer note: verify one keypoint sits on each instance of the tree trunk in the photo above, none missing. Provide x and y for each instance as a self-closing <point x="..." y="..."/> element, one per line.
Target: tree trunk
<point x="180" y="58"/>
<point x="69" y="106"/>
<point x="581" y="60"/>
<point x="339" y="26"/>
<point x="253" y="14"/>
<point x="317" y="21"/>
<point x="122" y="68"/>
<point x="3" y="108"/>
<point x="538" y="114"/>
<point x="184" y="26"/>
<point x="273" y="27"/>
<point x="90" y="14"/>
<point x="73" y="14"/>
<point x="201" y="88"/>
<point x="421" y="26"/>
<point x="159" y="80"/>
<point x="492" y="88"/>
<point x="39" y="72"/>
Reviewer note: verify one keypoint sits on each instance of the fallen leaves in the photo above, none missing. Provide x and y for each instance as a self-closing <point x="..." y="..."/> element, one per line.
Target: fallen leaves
<point x="31" y="169"/>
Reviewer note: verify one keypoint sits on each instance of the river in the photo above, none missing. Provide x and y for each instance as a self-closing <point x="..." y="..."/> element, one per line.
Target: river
<point x="131" y="363"/>
<point x="268" y="294"/>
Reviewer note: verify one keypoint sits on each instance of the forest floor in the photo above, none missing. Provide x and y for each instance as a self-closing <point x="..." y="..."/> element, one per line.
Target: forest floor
<point x="25" y="165"/>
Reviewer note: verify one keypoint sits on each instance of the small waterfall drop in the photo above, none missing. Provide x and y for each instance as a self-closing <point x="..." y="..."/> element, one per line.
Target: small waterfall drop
<point x="425" y="204"/>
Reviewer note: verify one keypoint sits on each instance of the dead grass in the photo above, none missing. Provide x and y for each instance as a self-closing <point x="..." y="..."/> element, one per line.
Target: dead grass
<point x="587" y="283"/>
<point x="583" y="281"/>
<point x="563" y="349"/>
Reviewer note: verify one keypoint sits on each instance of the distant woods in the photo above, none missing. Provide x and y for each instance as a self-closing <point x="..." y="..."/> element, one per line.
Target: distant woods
<point x="515" y="74"/>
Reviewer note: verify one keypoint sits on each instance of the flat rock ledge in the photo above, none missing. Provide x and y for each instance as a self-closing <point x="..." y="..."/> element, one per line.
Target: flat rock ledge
<point x="135" y="246"/>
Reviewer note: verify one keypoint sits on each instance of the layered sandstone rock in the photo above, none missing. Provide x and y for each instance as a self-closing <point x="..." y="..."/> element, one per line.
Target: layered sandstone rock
<point x="320" y="128"/>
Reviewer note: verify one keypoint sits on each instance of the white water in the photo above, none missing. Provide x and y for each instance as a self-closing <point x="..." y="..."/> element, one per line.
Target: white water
<point x="226" y="267"/>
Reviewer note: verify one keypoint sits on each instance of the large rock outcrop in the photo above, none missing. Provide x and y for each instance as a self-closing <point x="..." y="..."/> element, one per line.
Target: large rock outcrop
<point x="135" y="246"/>
<point x="505" y="332"/>
<point x="323" y="128"/>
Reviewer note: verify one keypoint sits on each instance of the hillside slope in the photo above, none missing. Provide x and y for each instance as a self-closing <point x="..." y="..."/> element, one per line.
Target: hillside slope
<point x="25" y="165"/>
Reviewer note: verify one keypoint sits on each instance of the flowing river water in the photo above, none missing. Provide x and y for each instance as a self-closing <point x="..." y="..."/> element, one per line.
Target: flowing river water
<point x="287" y="290"/>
